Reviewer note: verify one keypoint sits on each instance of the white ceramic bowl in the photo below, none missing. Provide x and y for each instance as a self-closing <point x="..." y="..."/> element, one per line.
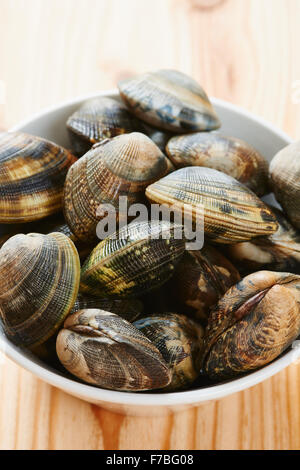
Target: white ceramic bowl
<point x="236" y="122"/>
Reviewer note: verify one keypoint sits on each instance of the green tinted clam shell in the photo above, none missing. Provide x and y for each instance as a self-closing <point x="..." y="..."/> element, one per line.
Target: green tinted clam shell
<point x="133" y="262"/>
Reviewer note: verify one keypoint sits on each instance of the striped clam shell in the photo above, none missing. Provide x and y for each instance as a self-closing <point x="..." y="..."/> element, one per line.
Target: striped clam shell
<point x="227" y="154"/>
<point x="180" y="342"/>
<point x="231" y="211"/>
<point x="32" y="176"/>
<point x="285" y="181"/>
<point x="201" y="279"/>
<point x="135" y="260"/>
<point x="278" y="252"/>
<point x="98" y="119"/>
<point x="253" y="324"/>
<point x="129" y="309"/>
<point x="39" y="278"/>
<point x="103" y="349"/>
<point x="123" y="166"/>
<point x="169" y="100"/>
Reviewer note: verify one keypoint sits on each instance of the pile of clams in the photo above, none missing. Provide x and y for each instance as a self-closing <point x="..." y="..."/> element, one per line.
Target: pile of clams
<point x="138" y="308"/>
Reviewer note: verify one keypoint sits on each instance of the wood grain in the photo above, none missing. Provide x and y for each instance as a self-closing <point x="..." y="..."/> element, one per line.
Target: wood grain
<point x="246" y="52"/>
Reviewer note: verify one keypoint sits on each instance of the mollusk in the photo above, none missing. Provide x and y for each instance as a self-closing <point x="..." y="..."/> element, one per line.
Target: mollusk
<point x="98" y="119"/>
<point x="231" y="211"/>
<point x="39" y="278"/>
<point x="32" y="176"/>
<point x="252" y="324"/>
<point x="103" y="349"/>
<point x="201" y="279"/>
<point x="285" y="181"/>
<point x="123" y="166"/>
<point x="169" y="100"/>
<point x="180" y="341"/>
<point x="227" y="154"/>
<point x="135" y="260"/>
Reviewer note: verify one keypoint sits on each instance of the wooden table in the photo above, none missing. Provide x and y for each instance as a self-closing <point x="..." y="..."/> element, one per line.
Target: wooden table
<point x="244" y="51"/>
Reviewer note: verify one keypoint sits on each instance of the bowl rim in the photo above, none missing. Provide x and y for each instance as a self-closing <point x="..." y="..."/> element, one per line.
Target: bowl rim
<point x="190" y="397"/>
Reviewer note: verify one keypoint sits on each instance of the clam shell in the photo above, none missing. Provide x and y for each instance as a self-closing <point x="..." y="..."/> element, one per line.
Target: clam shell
<point x="129" y="309"/>
<point x="39" y="279"/>
<point x="103" y="349"/>
<point x="123" y="166"/>
<point x="32" y="176"/>
<point x="98" y="119"/>
<point x="227" y="154"/>
<point x="231" y="211"/>
<point x="180" y="342"/>
<point x="135" y="260"/>
<point x="169" y="100"/>
<point x="278" y="252"/>
<point x="285" y="181"/>
<point x="201" y="279"/>
<point x="253" y="324"/>
<point x="159" y="137"/>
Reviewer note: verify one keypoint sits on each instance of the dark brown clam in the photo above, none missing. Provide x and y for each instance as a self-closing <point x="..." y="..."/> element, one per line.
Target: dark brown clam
<point x="123" y="166"/>
<point x="180" y="342"/>
<point x="285" y="181"/>
<point x="278" y="252"/>
<point x="98" y="119"/>
<point x="32" y="176"/>
<point x="231" y="211"/>
<point x="139" y="258"/>
<point x="169" y="100"/>
<point x="227" y="154"/>
<point x="252" y="324"/>
<point x="129" y="309"/>
<point x="201" y="279"/>
<point x="103" y="349"/>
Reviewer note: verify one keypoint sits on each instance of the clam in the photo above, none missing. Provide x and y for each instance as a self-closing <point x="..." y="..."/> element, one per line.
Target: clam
<point x="98" y="119"/>
<point x="285" y="181"/>
<point x="180" y="342"/>
<point x="32" y="176"/>
<point x="103" y="349"/>
<point x="139" y="258"/>
<point x="169" y="100"/>
<point x="129" y="309"/>
<point x="201" y="279"/>
<point x="252" y="324"/>
<point x="123" y="166"/>
<point x="227" y="154"/>
<point x="231" y="211"/>
<point x="159" y="137"/>
<point x="278" y="252"/>
<point x="39" y="278"/>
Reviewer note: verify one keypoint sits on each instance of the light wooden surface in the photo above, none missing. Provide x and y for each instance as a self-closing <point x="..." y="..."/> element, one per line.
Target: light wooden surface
<point x="244" y="51"/>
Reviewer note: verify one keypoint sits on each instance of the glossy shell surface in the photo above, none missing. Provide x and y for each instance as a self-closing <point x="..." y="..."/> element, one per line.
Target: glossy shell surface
<point x="253" y="324"/>
<point x="180" y="341"/>
<point x="32" y="176"/>
<point x="285" y="181"/>
<point x="39" y="278"/>
<point x="169" y="100"/>
<point x="227" y="154"/>
<point x="103" y="349"/>
<point x="98" y="119"/>
<point x="129" y="309"/>
<point x="123" y="166"/>
<point x="136" y="260"/>
<point x="231" y="211"/>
